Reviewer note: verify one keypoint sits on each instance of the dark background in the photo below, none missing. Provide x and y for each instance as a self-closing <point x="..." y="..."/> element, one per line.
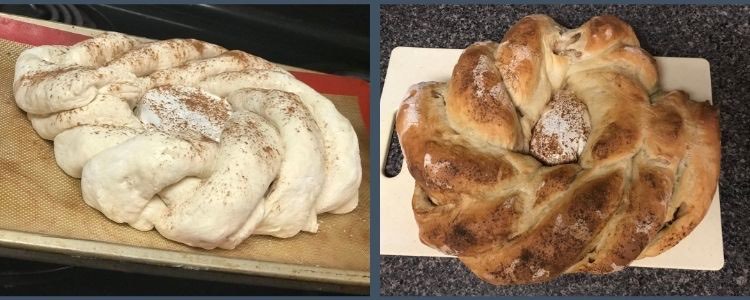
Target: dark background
<point x="25" y="278"/>
<point x="720" y="34"/>
<point x="328" y="38"/>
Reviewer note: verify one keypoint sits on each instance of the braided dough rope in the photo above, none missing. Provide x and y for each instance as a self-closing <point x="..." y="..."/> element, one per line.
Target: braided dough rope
<point x="222" y="144"/>
<point x="643" y="181"/>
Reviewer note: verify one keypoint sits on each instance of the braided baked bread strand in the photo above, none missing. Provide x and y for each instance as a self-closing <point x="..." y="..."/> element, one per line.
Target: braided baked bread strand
<point x="162" y="139"/>
<point x="642" y="182"/>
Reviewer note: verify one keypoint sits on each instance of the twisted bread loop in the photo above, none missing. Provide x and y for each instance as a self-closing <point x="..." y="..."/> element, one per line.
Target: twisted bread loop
<point x="205" y="145"/>
<point x="554" y="152"/>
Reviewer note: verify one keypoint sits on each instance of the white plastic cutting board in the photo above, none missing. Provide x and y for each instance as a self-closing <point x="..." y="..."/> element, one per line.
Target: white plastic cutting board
<point x="701" y="250"/>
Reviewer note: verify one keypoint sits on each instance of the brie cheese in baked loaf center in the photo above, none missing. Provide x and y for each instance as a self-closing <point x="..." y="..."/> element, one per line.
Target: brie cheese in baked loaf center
<point x="560" y="134"/>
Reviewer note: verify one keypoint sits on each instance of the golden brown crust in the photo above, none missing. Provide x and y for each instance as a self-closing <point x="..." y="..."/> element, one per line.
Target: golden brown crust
<point x="559" y="238"/>
<point x="637" y="221"/>
<point x="478" y="105"/>
<point x="698" y="176"/>
<point x="520" y="60"/>
<point x="520" y="56"/>
<point x="643" y="181"/>
<point x="555" y="181"/>
<point x="603" y="32"/>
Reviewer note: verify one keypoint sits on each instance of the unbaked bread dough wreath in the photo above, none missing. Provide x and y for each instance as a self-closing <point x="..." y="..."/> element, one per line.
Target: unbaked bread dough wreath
<point x="205" y="145"/>
<point x="555" y="151"/>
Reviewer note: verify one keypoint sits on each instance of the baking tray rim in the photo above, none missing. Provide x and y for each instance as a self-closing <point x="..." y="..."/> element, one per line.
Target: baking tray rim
<point x="185" y="260"/>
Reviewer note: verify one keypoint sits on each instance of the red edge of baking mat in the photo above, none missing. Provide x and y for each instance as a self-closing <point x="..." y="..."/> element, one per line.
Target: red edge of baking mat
<point x="37" y="35"/>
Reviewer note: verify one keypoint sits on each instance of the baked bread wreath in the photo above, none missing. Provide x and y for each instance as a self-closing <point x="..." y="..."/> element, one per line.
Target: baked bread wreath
<point x="205" y="145"/>
<point x="555" y="151"/>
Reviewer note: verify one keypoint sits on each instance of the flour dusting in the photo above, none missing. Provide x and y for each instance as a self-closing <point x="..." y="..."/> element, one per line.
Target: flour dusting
<point x="561" y="133"/>
<point x="616" y="268"/>
<point x="519" y="54"/>
<point x="183" y="110"/>
<point x="540" y="273"/>
<point x="483" y="66"/>
<point x="431" y="167"/>
<point x="579" y="230"/>
<point x="643" y="228"/>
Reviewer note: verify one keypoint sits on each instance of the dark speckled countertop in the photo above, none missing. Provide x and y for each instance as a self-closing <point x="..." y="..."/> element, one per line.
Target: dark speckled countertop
<point x="720" y="34"/>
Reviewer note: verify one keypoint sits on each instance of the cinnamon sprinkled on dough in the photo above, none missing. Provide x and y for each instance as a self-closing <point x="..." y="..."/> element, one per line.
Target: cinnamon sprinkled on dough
<point x="184" y="110"/>
<point x="36" y="77"/>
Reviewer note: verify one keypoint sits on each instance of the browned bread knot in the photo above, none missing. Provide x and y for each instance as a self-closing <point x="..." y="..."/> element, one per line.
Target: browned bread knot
<point x="555" y="151"/>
